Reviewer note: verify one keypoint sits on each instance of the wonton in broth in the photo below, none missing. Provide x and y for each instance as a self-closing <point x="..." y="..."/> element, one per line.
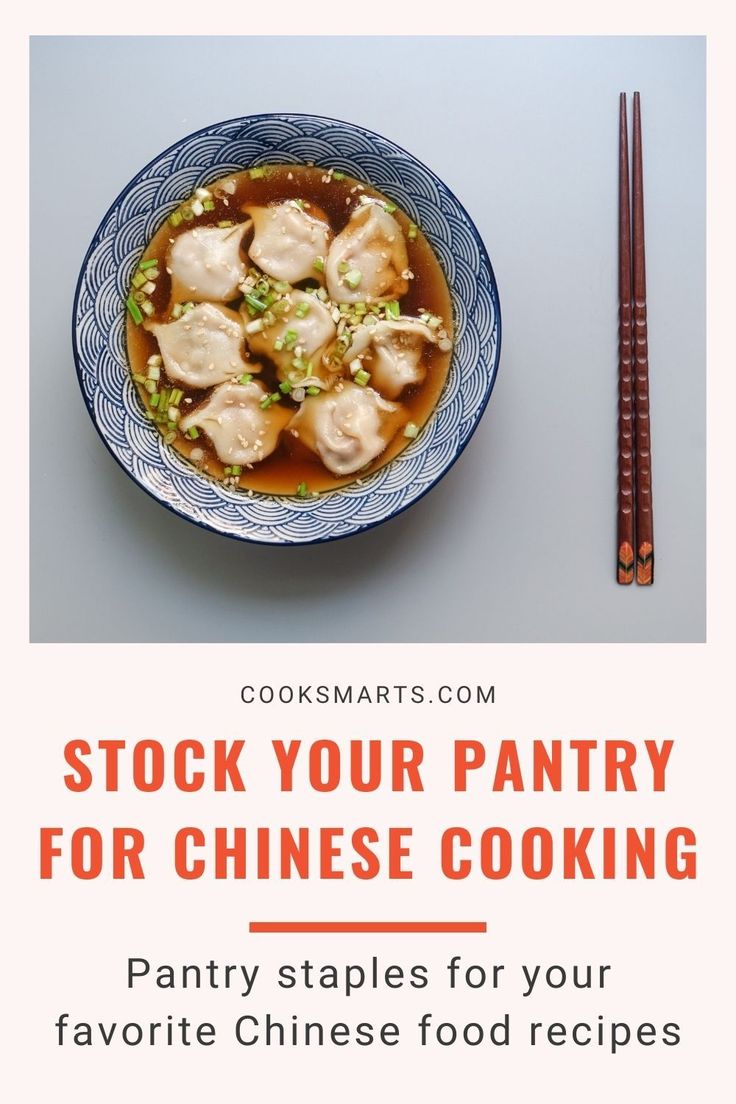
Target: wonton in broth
<point x="289" y="329"/>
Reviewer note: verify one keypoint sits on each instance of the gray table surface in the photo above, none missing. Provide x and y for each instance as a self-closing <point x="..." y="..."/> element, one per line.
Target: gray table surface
<point x="517" y="542"/>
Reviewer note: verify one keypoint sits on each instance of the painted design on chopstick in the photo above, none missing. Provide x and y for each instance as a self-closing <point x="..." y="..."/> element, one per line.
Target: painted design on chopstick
<point x="625" y="573"/>
<point x="643" y="481"/>
<point x="645" y="564"/>
<point x="625" y="520"/>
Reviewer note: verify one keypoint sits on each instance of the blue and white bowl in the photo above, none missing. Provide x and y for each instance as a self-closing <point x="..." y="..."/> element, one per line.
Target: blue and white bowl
<point x="99" y="327"/>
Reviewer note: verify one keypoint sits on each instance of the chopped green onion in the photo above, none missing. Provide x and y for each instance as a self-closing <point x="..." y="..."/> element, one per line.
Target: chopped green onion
<point x="343" y="267"/>
<point x="225" y="223"/>
<point x="302" y="310"/>
<point x="360" y="308"/>
<point x="254" y="327"/>
<point x="245" y="378"/>
<point x="175" y="218"/>
<point x="186" y="307"/>
<point x="155" y="399"/>
<point x="302" y="490"/>
<point x="411" y="430"/>
<point x="389" y="208"/>
<point x="154" y="372"/>
<point x="298" y="203"/>
<point x="257" y="173"/>
<point x="322" y="294"/>
<point x="139" y="378"/>
<point x="227" y="471"/>
<point x="187" y="213"/>
<point x="267" y="400"/>
<point x="177" y="310"/>
<point x="313" y="390"/>
<point x="155" y="361"/>
<point x="208" y="205"/>
<point x="338" y="175"/>
<point x="237" y="470"/>
<point x="393" y="310"/>
<point x="278" y="344"/>
<point x="285" y="387"/>
<point x="170" y="437"/>
<point x="176" y="396"/>
<point x="203" y="193"/>
<point x="256" y="304"/>
<point x="147" y="307"/>
<point x="134" y="310"/>
<point x="281" y="306"/>
<point x="353" y="278"/>
<point x="412" y="231"/>
<point x="151" y="263"/>
<point x="197" y="208"/>
<point x="138" y="280"/>
<point x="149" y="287"/>
<point x="319" y="264"/>
<point x="290" y="338"/>
<point x="139" y="296"/>
<point x="193" y="432"/>
<point x="362" y="377"/>
<point x="174" y="416"/>
<point x="281" y="286"/>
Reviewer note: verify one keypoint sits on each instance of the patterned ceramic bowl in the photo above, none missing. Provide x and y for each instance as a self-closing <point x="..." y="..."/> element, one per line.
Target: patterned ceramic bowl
<point x="99" y="327"/>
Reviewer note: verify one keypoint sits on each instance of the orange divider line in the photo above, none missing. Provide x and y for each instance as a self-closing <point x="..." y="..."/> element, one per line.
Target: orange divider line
<point x="270" y="927"/>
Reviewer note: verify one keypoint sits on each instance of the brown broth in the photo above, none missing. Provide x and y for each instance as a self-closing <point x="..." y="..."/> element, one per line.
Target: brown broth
<point x="287" y="467"/>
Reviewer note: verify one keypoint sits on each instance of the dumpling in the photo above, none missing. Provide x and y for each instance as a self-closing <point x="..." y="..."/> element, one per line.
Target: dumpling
<point x="287" y="241"/>
<point x="206" y="263"/>
<point x="348" y="427"/>
<point x="203" y="347"/>
<point x="303" y="334"/>
<point x="233" y="419"/>
<point x="368" y="259"/>
<point x="392" y="353"/>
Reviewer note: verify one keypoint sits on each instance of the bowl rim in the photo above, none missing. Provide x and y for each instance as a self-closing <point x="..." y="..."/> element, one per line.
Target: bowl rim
<point x="243" y="537"/>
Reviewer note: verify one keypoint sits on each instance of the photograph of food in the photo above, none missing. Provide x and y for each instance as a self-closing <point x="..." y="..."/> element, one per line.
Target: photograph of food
<point x="302" y="332"/>
<point x="411" y="361"/>
<point x="289" y="329"/>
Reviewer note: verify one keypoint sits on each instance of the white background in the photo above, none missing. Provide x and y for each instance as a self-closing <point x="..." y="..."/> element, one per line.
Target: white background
<point x="66" y="943"/>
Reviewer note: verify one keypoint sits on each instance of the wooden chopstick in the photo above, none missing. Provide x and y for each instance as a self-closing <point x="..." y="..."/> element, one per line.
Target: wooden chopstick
<point x="643" y="460"/>
<point x="625" y="521"/>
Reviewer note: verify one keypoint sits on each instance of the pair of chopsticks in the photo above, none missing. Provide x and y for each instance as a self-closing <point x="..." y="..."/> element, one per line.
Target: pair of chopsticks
<point x="635" y="524"/>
